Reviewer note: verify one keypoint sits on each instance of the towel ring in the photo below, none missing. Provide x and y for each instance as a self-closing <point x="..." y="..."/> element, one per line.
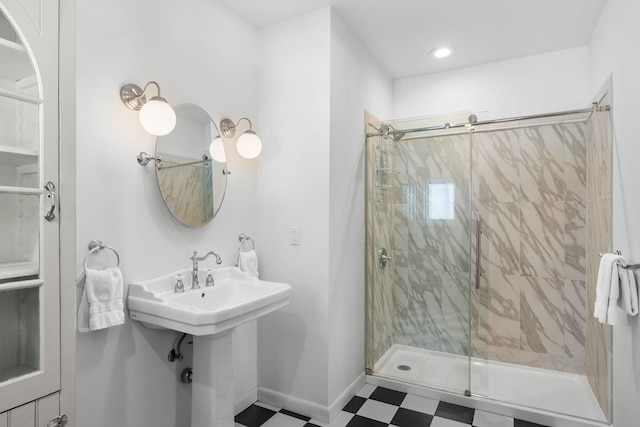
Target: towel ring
<point x="96" y="246"/>
<point x="242" y="238"/>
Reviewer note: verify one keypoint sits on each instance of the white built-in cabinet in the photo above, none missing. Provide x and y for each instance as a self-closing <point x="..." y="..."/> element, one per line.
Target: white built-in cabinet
<point x="29" y="243"/>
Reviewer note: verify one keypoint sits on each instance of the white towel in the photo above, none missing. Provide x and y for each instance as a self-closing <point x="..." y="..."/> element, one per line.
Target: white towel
<point x="607" y="289"/>
<point x="616" y="287"/>
<point x="628" y="291"/>
<point x="101" y="304"/>
<point x="83" y="307"/>
<point x="248" y="262"/>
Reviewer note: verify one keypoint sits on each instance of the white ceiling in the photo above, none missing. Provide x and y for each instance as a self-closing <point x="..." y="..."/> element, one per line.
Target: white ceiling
<point x="401" y="33"/>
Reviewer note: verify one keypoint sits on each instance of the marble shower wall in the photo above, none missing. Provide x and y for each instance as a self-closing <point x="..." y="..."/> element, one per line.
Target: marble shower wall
<point x="599" y="188"/>
<point x="380" y="154"/>
<point x="529" y="189"/>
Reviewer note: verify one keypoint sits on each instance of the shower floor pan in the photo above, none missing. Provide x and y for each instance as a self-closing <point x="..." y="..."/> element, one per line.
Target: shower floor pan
<point x="543" y="389"/>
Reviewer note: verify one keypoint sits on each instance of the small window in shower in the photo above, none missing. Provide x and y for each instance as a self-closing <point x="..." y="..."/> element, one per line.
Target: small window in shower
<point x="441" y="198"/>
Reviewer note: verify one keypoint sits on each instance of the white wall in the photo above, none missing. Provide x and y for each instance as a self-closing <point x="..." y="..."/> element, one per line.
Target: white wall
<point x="293" y="190"/>
<point x="543" y="83"/>
<point x="614" y="51"/>
<point x="357" y="84"/>
<point x="199" y="52"/>
<point x="316" y="81"/>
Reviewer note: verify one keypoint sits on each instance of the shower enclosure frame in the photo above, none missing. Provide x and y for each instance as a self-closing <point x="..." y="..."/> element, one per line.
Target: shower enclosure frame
<point x="471" y="126"/>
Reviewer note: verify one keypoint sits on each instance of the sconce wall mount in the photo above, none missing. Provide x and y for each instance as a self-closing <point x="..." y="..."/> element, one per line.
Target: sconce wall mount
<point x="156" y="115"/>
<point x="132" y="96"/>
<point x="228" y="128"/>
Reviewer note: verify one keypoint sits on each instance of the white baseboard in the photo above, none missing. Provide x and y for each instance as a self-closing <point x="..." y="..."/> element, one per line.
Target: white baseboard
<point x="344" y="398"/>
<point x="294" y="404"/>
<point x="308" y="408"/>
<point x="245" y="401"/>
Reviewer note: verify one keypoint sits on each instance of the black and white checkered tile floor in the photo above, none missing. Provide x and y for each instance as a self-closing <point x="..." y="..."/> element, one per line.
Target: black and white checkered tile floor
<point x="381" y="407"/>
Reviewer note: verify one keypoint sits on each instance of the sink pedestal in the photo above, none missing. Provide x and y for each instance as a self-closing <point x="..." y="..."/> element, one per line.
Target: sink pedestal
<point x="209" y="314"/>
<point x="212" y="387"/>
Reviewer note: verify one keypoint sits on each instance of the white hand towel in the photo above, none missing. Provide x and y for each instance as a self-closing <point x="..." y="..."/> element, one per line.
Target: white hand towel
<point x="606" y="294"/>
<point x="628" y="291"/>
<point x="103" y="292"/>
<point x="83" y="307"/>
<point x="248" y="261"/>
<point x="614" y="292"/>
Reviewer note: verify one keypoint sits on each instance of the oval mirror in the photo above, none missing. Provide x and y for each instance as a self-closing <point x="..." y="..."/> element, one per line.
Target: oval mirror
<point x="192" y="181"/>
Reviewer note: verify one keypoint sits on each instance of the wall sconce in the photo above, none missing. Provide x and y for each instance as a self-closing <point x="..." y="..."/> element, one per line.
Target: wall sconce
<point x="156" y="115"/>
<point x="249" y="144"/>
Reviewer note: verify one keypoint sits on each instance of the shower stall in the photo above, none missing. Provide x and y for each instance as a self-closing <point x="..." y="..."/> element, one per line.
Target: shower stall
<point x="482" y="253"/>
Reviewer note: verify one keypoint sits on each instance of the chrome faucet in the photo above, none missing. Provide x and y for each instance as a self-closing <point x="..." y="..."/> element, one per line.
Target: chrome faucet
<point x="195" y="258"/>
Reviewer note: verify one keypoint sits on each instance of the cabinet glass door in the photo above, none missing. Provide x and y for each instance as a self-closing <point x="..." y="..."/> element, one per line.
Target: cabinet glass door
<point x="29" y="283"/>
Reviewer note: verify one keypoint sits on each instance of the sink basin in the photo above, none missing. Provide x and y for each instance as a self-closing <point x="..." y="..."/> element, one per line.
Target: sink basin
<point x="236" y="298"/>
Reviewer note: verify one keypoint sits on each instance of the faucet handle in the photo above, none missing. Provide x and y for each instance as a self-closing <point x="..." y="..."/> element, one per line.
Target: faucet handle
<point x="179" y="287"/>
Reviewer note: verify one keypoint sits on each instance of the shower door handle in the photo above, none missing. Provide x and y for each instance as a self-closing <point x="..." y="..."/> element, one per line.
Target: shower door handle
<point x="478" y="250"/>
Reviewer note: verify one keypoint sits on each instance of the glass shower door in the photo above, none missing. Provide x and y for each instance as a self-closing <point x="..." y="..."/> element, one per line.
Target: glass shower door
<point x="420" y="316"/>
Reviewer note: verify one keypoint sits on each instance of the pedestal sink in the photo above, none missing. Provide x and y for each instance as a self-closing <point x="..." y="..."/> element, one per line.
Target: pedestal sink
<point x="210" y="314"/>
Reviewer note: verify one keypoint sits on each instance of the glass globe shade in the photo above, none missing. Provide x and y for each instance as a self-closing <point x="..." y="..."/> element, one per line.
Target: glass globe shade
<point x="216" y="149"/>
<point x="157" y="117"/>
<point x="249" y="145"/>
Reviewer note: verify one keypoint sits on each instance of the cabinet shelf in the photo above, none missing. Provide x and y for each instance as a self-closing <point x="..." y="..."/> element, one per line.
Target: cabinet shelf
<point x="14" y="270"/>
<point x="13" y="372"/>
<point x="17" y="156"/>
<point x="15" y="61"/>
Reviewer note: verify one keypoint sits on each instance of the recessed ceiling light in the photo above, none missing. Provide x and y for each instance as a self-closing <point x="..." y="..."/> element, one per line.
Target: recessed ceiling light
<point x="441" y="52"/>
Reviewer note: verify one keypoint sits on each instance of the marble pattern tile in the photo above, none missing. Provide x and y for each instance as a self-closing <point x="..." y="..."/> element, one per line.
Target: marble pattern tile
<point x="425" y="245"/>
<point x="541" y="167"/>
<point x="553" y="362"/>
<point x="455" y="164"/>
<point x="575" y="240"/>
<point x="599" y="156"/>
<point x="495" y="167"/>
<point x="542" y="315"/>
<point x="575" y="161"/>
<point x="455" y="247"/>
<point x="380" y="309"/>
<point x="598" y="363"/>
<point x="598" y="336"/>
<point x="400" y="237"/>
<point x="455" y="312"/>
<point x="500" y="244"/>
<point x="575" y="303"/>
<point x="542" y="239"/>
<point x="418" y="303"/>
<point x="502" y="354"/>
<point x="598" y="340"/>
<point x="504" y="310"/>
